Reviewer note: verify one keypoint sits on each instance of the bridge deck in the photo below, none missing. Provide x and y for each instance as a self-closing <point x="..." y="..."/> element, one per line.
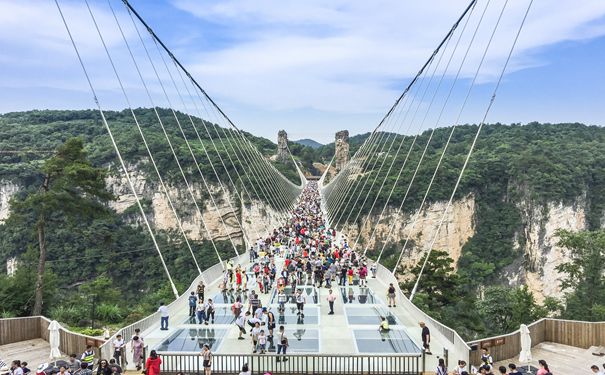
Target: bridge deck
<point x="353" y="329"/>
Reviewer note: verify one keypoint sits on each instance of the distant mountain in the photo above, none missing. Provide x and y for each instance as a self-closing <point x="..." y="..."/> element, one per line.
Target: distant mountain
<point x="309" y="143"/>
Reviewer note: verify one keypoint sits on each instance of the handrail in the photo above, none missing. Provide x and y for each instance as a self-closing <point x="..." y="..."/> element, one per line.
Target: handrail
<point x="401" y="364"/>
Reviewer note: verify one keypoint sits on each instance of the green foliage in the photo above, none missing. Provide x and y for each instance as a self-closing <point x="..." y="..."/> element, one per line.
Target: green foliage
<point x="584" y="279"/>
<point x="89" y="331"/>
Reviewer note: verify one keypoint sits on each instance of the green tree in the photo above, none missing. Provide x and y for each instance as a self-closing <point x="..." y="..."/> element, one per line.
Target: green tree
<point x="583" y="282"/>
<point x="71" y="189"/>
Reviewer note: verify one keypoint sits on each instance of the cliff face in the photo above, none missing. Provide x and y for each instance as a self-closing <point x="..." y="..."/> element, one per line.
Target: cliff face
<point x="538" y="255"/>
<point x="223" y="222"/>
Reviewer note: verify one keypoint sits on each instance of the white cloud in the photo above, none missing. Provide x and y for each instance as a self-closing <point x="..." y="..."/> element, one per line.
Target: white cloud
<point x="356" y="56"/>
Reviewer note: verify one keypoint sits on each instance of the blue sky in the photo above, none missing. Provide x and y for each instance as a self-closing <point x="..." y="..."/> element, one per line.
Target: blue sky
<point x="311" y="67"/>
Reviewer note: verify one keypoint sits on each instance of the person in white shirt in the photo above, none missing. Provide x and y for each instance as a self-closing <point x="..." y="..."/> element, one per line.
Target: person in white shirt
<point x="300" y="302"/>
<point x="163" y="310"/>
<point x="255" y="333"/>
<point x="118" y="348"/>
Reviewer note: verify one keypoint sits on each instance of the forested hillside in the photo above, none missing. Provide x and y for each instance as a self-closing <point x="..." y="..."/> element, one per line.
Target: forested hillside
<point x="104" y="257"/>
<point x="515" y="172"/>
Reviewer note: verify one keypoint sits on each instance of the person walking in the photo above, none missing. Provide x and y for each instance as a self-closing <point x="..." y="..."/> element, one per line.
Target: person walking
<point x="118" y="348"/>
<point x="163" y="310"/>
<point x="209" y="311"/>
<point x="300" y="302"/>
<point x="192" y="304"/>
<point x="282" y="344"/>
<point x="207" y="359"/>
<point x="200" y="311"/>
<point x="426" y="338"/>
<point x="103" y="368"/>
<point x="331" y="298"/>
<point x="137" y="351"/>
<point x="152" y="366"/>
<point x="391" y="295"/>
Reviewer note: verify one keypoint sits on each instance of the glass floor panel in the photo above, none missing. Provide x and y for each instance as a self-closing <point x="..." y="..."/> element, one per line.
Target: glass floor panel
<point x="394" y="341"/>
<point x="290" y="316"/>
<point x="230" y="297"/>
<point x="369" y="315"/>
<point x="299" y="341"/>
<point x="358" y="295"/>
<point x="222" y="315"/>
<point x="309" y="291"/>
<point x="192" y="339"/>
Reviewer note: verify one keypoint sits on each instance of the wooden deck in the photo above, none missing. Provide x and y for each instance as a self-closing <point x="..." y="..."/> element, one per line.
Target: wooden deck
<point x="34" y="352"/>
<point x="562" y="359"/>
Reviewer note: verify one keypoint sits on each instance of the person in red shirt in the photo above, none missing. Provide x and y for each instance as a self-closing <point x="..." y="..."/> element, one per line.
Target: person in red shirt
<point x="152" y="366"/>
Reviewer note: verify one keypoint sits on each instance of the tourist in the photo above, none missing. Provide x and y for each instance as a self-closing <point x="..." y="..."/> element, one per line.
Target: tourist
<point x="486" y="358"/>
<point x="596" y="370"/>
<point x="373" y="269"/>
<point x="152" y="366"/>
<point x="461" y="368"/>
<point x="240" y="322"/>
<point x="209" y="311"/>
<point x="137" y="351"/>
<point x="200" y="290"/>
<point x="73" y="363"/>
<point x="255" y="333"/>
<point x="24" y="368"/>
<point x="543" y="370"/>
<point x="88" y="357"/>
<point x="331" y="298"/>
<point x="270" y="323"/>
<point x="236" y="308"/>
<point x="200" y="311"/>
<point x="192" y="304"/>
<point x="262" y="341"/>
<point x="118" y="348"/>
<point x="502" y="370"/>
<point x="426" y="338"/>
<point x="103" y="368"/>
<point x="441" y="369"/>
<point x="282" y="344"/>
<point x="85" y="369"/>
<point x="245" y="370"/>
<point x="137" y="333"/>
<point x="384" y="325"/>
<point x="163" y="310"/>
<point x="16" y="368"/>
<point x="63" y="371"/>
<point x="254" y="301"/>
<point x="207" y="359"/>
<point x="513" y="369"/>
<point x="115" y="368"/>
<point x="391" y="295"/>
<point x="300" y="302"/>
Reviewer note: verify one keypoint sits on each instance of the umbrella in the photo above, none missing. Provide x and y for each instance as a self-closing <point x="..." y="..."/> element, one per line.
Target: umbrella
<point x="525" y="355"/>
<point x="54" y="339"/>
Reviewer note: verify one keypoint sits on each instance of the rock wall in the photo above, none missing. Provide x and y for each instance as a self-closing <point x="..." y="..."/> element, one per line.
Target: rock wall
<point x="341" y="155"/>
<point x="221" y="222"/>
<point x="7" y="190"/>
<point x="540" y="253"/>
<point x="282" y="146"/>
<point x="457" y="228"/>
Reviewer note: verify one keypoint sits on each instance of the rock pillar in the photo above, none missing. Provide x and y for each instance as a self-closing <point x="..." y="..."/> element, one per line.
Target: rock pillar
<point x="282" y="146"/>
<point x="342" y="149"/>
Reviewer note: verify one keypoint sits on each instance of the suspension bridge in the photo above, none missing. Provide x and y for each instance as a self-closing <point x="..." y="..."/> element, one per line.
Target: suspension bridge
<point x="209" y="153"/>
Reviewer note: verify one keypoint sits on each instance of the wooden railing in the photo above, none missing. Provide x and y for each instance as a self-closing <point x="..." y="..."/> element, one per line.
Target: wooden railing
<point x="13" y="330"/>
<point x="319" y="364"/>
<point x="558" y="331"/>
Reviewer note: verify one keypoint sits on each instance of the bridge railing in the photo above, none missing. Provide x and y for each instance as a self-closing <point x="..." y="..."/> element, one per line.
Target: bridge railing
<point x="319" y="364"/>
<point x="209" y="276"/>
<point x="459" y="347"/>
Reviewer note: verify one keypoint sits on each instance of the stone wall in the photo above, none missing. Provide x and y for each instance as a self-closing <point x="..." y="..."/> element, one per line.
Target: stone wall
<point x="341" y="157"/>
<point x="282" y="146"/>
